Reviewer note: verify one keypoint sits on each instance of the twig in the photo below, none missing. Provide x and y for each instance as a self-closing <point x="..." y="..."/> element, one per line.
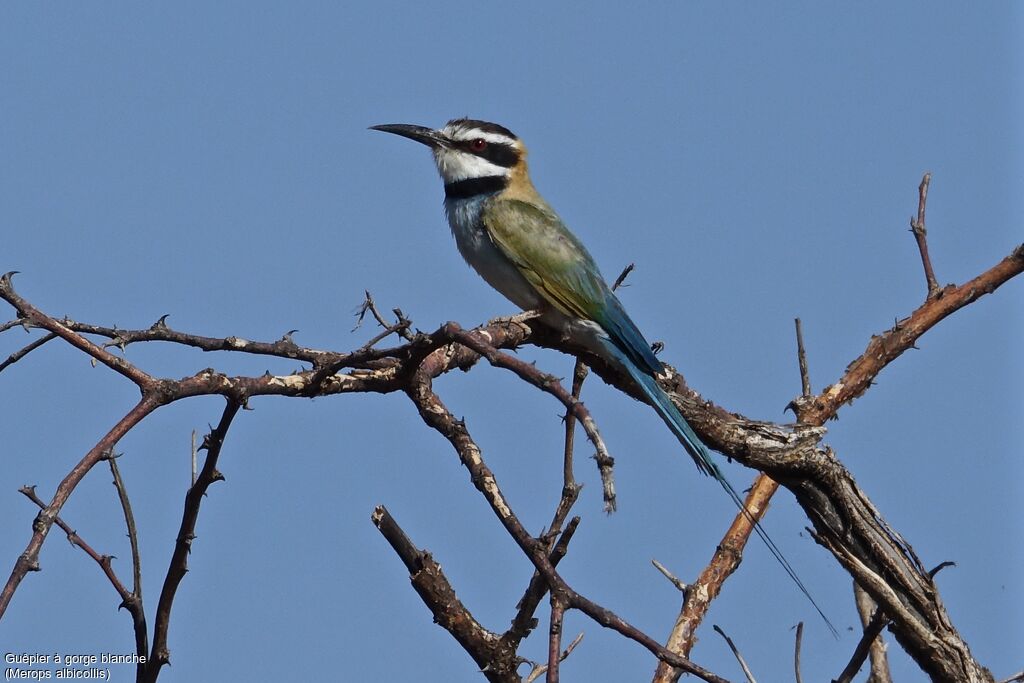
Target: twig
<point x="549" y="384"/>
<point x="917" y="226"/>
<point x="555" y="636"/>
<point x="17" y="322"/>
<point x="134" y="602"/>
<point x="74" y="539"/>
<point x="801" y="355"/>
<point x="725" y="560"/>
<point x="438" y="595"/>
<point x="40" y="319"/>
<point x="195" y="458"/>
<point x="873" y="624"/>
<point x="401" y="327"/>
<point x="796" y="653"/>
<point x="888" y="346"/>
<point x="736" y="653"/>
<point x="18" y="355"/>
<point x="1019" y="676"/>
<point x="570" y="489"/>
<point x="29" y="559"/>
<point x="539" y="670"/>
<point x="436" y="415"/>
<point x="673" y="579"/>
<point x="524" y="622"/>
<point x="213" y="443"/>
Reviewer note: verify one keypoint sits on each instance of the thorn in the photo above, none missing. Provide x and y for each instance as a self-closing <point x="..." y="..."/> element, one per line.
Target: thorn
<point x="940" y="567"/>
<point x="160" y="324"/>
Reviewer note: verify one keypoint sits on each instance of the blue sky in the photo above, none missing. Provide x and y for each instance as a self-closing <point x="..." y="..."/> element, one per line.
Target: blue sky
<point x="755" y="163"/>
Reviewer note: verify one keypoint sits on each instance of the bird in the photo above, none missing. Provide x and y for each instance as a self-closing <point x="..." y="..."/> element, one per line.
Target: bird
<point x="517" y="243"/>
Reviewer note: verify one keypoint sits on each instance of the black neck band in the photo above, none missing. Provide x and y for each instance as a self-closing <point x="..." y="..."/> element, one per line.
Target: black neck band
<point x="471" y="187"/>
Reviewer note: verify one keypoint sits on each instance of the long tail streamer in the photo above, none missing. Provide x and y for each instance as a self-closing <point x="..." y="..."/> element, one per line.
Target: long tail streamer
<point x="702" y="457"/>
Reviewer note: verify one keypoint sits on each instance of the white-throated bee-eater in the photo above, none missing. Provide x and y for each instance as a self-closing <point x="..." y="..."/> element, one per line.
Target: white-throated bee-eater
<point x="518" y="244"/>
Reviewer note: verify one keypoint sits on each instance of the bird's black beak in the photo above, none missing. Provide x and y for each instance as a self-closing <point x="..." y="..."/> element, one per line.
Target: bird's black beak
<point x="428" y="136"/>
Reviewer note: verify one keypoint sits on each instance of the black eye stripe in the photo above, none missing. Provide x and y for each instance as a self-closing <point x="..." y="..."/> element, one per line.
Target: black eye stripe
<point x="498" y="153"/>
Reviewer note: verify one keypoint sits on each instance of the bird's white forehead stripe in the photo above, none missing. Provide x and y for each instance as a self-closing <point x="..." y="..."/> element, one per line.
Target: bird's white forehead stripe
<point x="463" y="133"/>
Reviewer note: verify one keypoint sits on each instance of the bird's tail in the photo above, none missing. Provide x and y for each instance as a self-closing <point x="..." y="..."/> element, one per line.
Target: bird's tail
<point x="668" y="411"/>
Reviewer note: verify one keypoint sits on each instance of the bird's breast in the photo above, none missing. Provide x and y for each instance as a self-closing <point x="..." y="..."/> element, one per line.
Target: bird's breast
<point x="465" y="216"/>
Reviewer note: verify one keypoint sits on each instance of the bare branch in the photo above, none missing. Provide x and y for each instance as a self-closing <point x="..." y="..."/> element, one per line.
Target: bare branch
<point x="872" y="630"/>
<point x="30" y="313"/>
<point x="673" y="579"/>
<point x="801" y="355"/>
<point x="496" y="663"/>
<point x="570" y="489"/>
<point x="540" y="669"/>
<point x="133" y="603"/>
<point x="29" y="559"/>
<point x="867" y="610"/>
<point x="18" y="355"/>
<point x="213" y="443"/>
<point x="726" y="560"/>
<point x="736" y="653"/>
<point x="917" y="226"/>
<point x="796" y="653"/>
<point x="888" y="346"/>
<point x="74" y="539"/>
<point x="555" y="636"/>
<point x="439" y="418"/>
<point x="547" y="383"/>
<point x="524" y="622"/>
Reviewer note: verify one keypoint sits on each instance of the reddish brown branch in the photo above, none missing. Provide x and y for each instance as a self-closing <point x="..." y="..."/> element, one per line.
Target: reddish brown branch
<point x="725" y="560"/>
<point x="555" y="637"/>
<point x="498" y="664"/>
<point x="524" y="621"/>
<point x="36" y="317"/>
<point x="888" y="346"/>
<point x="438" y="417"/>
<point x="844" y="519"/>
<point x="102" y="560"/>
<point x="917" y="226"/>
<point x="29" y="559"/>
<point x="550" y="384"/>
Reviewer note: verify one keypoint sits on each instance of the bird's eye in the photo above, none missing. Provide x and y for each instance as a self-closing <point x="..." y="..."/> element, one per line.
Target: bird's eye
<point x="478" y="145"/>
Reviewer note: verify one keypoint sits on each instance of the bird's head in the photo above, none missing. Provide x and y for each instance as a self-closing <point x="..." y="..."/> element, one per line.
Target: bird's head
<point x="467" y="149"/>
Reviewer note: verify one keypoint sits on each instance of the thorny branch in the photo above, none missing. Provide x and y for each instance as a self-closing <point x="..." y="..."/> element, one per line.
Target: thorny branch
<point x="844" y="520"/>
<point x="812" y="412"/>
<point x="212" y="444"/>
<point x="133" y="602"/>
